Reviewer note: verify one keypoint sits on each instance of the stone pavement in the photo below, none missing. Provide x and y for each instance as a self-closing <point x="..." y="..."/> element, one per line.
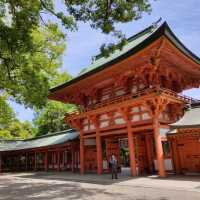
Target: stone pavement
<point x="63" y="185"/>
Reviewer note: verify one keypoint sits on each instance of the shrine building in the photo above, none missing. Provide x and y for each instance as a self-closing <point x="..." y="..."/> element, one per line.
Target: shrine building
<point x="126" y="105"/>
<point x="52" y="152"/>
<point x="126" y="102"/>
<point x="184" y="139"/>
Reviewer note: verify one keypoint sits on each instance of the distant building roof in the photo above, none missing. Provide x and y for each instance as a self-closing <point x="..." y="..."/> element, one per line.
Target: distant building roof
<point x="191" y="119"/>
<point x="135" y="44"/>
<point x="42" y="141"/>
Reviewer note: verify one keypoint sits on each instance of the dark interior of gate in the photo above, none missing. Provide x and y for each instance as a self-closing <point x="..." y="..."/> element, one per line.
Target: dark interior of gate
<point x="118" y="145"/>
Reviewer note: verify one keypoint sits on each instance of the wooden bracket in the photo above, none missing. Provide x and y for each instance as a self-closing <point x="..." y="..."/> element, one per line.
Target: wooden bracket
<point x="156" y="106"/>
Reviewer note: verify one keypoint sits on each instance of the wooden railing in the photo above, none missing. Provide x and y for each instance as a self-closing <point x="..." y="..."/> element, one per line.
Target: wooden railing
<point x="132" y="96"/>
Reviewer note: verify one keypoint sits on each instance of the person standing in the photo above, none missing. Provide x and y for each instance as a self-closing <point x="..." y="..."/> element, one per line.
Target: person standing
<point x="113" y="166"/>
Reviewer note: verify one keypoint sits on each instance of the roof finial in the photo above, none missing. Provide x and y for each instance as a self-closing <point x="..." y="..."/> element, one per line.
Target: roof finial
<point x="155" y="24"/>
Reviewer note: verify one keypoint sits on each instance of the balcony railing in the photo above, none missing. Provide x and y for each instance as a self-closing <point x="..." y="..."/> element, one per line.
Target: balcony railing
<point x="140" y="93"/>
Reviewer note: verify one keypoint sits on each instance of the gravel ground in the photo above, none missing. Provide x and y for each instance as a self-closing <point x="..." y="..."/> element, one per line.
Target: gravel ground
<point x="62" y="186"/>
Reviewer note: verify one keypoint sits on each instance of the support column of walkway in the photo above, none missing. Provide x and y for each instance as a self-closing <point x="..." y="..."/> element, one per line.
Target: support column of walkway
<point x="46" y="161"/>
<point x="131" y="140"/>
<point x="26" y="155"/>
<point x="58" y="160"/>
<point x="35" y="161"/>
<point x="1" y="170"/>
<point x="73" y="158"/>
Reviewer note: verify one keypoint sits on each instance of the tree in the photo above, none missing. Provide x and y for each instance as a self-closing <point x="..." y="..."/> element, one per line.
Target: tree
<point x="6" y="113"/>
<point x="27" y="81"/>
<point x="10" y="127"/>
<point x="51" y="117"/>
<point x="31" y="48"/>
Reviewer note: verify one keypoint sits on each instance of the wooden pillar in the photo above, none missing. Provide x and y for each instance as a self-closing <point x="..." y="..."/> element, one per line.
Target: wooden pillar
<point x="35" y="161"/>
<point x="148" y="142"/>
<point x="46" y="161"/>
<point x="1" y="170"/>
<point x="58" y="160"/>
<point x="159" y="148"/>
<point x="131" y="144"/>
<point x="26" y="161"/>
<point x="99" y="153"/>
<point x="73" y="158"/>
<point x="82" y="157"/>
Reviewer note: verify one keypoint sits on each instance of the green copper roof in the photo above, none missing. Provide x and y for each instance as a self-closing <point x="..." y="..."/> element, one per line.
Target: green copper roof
<point x="191" y="119"/>
<point x="43" y="141"/>
<point x="132" y="42"/>
<point x="134" y="45"/>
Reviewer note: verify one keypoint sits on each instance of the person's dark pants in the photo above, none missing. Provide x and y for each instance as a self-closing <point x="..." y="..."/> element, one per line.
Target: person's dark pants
<point x="114" y="172"/>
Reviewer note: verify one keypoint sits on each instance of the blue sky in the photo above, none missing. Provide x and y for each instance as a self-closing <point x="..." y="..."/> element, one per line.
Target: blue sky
<point x="182" y="16"/>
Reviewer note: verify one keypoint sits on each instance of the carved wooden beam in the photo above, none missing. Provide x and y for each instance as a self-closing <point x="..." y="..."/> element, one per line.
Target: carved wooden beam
<point x="156" y="106"/>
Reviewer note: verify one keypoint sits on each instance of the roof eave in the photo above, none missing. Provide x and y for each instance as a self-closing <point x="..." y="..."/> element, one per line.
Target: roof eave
<point x="163" y="30"/>
<point x="157" y="34"/>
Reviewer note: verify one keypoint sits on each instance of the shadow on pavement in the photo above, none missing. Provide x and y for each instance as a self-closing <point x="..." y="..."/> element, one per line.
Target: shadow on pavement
<point x="104" y="179"/>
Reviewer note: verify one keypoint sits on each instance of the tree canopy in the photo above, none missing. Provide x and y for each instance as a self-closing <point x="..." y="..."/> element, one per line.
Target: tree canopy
<point x="31" y="47"/>
<point x="51" y="117"/>
<point x="10" y="126"/>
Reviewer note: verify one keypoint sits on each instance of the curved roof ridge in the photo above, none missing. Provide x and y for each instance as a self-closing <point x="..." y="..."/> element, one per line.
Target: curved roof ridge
<point x="130" y="49"/>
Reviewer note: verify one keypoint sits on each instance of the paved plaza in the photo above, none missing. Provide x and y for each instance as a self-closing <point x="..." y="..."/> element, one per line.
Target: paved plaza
<point x="61" y="186"/>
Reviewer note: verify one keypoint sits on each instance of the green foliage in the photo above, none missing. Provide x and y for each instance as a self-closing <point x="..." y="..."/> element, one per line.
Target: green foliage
<point x="20" y="130"/>
<point x="31" y="51"/>
<point x="105" y="15"/>
<point x="10" y="127"/>
<point x="17" y="130"/>
<point x="27" y="77"/>
<point x="6" y="113"/>
<point x="51" y="117"/>
<point x="31" y="48"/>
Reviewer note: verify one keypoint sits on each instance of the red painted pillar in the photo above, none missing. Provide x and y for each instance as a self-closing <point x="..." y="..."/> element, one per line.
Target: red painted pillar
<point x="1" y="170"/>
<point x="46" y="161"/>
<point x="82" y="163"/>
<point x="159" y="148"/>
<point x="35" y="161"/>
<point x="73" y="158"/>
<point x="58" y="161"/>
<point x="131" y="149"/>
<point x="99" y="153"/>
<point x="26" y="161"/>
